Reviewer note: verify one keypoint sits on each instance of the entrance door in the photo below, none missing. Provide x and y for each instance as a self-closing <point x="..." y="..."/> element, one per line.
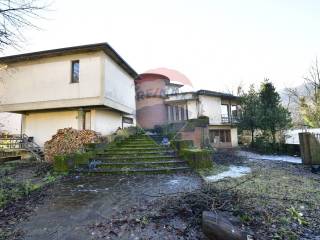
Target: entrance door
<point x="87" y="120"/>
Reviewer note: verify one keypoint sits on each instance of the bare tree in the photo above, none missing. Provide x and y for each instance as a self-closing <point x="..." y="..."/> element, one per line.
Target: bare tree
<point x="16" y="15"/>
<point x="312" y="81"/>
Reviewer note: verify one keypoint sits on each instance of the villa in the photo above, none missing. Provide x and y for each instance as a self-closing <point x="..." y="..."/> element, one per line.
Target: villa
<point x="92" y="87"/>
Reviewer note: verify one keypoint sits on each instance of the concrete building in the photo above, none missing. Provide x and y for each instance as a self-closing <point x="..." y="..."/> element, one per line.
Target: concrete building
<point x="160" y="102"/>
<point x="92" y="87"/>
<point x="83" y="87"/>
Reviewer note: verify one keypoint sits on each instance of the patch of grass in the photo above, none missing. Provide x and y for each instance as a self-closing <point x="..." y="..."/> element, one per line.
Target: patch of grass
<point x="11" y="190"/>
<point x="281" y="202"/>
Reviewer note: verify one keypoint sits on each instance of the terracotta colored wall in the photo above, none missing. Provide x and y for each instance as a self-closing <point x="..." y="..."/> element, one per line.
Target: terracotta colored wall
<point x="150" y="93"/>
<point x="197" y="136"/>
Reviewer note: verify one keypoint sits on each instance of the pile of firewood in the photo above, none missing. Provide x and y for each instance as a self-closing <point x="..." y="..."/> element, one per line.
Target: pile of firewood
<point x="68" y="140"/>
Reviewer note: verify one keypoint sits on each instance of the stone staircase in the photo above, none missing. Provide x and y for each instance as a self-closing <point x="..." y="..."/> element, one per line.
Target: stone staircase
<point x="137" y="154"/>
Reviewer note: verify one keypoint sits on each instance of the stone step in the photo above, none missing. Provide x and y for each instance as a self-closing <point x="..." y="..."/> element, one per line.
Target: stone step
<point x="119" y="149"/>
<point x="132" y="158"/>
<point x="122" y="153"/>
<point x="133" y="170"/>
<point x="135" y="153"/>
<point x="138" y="145"/>
<point x="140" y="139"/>
<point x="173" y="163"/>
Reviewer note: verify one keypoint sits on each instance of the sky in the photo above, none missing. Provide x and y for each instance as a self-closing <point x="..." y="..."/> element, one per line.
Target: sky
<point x="216" y="44"/>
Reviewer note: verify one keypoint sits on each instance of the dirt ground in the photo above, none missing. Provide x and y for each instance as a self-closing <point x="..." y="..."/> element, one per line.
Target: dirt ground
<point x="277" y="200"/>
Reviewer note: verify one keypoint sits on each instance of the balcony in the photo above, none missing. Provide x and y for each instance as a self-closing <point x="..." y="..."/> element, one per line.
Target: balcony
<point x="226" y="119"/>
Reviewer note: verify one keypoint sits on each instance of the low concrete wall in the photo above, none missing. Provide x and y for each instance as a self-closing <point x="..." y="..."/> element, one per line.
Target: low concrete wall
<point x="310" y="148"/>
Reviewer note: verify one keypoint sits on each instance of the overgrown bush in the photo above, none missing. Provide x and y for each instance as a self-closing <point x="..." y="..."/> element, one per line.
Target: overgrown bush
<point x="263" y="145"/>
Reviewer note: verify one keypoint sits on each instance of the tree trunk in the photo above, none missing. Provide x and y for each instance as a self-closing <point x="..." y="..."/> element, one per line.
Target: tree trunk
<point x="274" y="141"/>
<point x="252" y="137"/>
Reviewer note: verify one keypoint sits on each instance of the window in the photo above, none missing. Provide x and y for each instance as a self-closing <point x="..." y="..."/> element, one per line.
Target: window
<point x="225" y="110"/>
<point x="177" y="112"/>
<point x="75" y="68"/>
<point x="234" y="111"/>
<point x="220" y="136"/>
<point x="86" y="123"/>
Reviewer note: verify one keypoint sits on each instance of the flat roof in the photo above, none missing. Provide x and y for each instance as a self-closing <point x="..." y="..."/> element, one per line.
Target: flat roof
<point x="207" y="93"/>
<point x="105" y="47"/>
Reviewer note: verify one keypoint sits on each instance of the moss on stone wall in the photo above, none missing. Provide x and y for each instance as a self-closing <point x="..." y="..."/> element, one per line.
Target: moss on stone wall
<point x="60" y="163"/>
<point x="179" y="145"/>
<point x="198" y="158"/>
<point x="68" y="162"/>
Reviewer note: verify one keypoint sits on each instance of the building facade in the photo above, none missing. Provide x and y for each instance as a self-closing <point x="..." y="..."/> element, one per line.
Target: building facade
<point x="84" y="87"/>
<point x="92" y="87"/>
<point x="160" y="102"/>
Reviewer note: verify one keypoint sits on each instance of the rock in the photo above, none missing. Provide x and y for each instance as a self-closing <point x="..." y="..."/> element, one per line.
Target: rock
<point x="216" y="227"/>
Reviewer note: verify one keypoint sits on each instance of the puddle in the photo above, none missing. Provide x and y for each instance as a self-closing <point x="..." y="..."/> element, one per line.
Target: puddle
<point x="233" y="172"/>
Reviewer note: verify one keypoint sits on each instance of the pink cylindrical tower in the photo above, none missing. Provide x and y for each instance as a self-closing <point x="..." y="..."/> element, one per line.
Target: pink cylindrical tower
<point x="150" y="96"/>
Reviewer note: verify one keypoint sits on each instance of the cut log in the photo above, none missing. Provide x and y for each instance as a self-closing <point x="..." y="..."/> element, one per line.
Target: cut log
<point x="67" y="141"/>
<point x="216" y="227"/>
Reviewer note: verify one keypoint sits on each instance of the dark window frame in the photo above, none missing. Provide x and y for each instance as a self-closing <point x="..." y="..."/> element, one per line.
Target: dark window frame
<point x="224" y="135"/>
<point x="75" y="78"/>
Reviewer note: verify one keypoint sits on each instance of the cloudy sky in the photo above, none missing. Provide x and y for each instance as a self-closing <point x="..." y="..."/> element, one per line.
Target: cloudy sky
<point x="216" y="44"/>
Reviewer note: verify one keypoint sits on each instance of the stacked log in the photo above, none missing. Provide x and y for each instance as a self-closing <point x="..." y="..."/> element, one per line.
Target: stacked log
<point x="68" y="140"/>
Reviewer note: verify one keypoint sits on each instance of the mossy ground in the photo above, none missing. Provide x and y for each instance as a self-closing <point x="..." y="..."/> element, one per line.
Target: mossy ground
<point x="276" y="201"/>
<point x="19" y="180"/>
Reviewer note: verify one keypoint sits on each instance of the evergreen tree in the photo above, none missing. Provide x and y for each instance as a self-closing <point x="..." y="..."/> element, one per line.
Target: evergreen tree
<point x="249" y="112"/>
<point x="273" y="116"/>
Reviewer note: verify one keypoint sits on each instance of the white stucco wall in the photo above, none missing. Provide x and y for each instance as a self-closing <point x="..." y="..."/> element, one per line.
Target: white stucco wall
<point x="42" y="126"/>
<point x="10" y="122"/>
<point x="119" y="87"/>
<point x="192" y="109"/>
<point x="210" y="107"/>
<point x="106" y="122"/>
<point x="49" y="80"/>
<point x="183" y="96"/>
<point x="234" y="137"/>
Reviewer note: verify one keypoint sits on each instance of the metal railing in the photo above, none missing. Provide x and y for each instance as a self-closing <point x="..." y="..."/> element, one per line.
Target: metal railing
<point x="21" y="141"/>
<point x="229" y="119"/>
